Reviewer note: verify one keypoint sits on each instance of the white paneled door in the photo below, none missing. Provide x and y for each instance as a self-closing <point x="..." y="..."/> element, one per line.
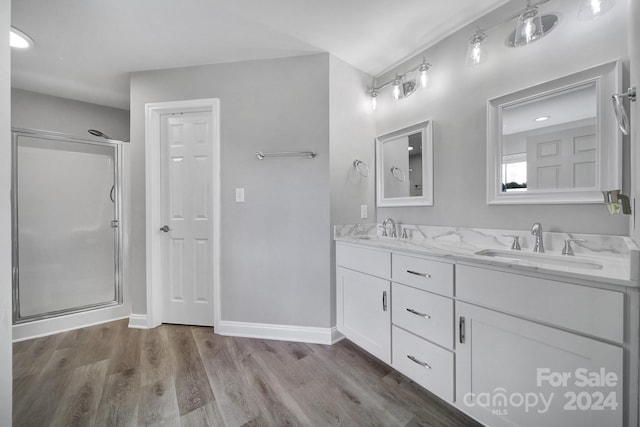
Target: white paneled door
<point x="187" y="223"/>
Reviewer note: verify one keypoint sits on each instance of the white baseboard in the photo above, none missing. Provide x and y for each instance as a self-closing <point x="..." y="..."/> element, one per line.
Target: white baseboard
<point x="138" y="321"/>
<point x="265" y="331"/>
<point x="336" y="336"/>
<point x="55" y="325"/>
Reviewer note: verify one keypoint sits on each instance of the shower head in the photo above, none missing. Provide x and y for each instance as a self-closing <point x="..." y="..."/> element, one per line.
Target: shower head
<point x="95" y="132"/>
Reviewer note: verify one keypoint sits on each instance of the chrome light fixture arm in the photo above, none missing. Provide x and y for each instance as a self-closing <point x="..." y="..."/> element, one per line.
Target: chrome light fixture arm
<point x="398" y="79"/>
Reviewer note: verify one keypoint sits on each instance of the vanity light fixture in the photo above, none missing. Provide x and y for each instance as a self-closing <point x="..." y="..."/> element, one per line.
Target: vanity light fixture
<point x="18" y="39"/>
<point x="374" y="99"/>
<point x="477" y="52"/>
<point x="424" y="77"/>
<point x="591" y="9"/>
<point x="397" y="88"/>
<point x="528" y="26"/>
<point x="531" y="25"/>
<point x="402" y="86"/>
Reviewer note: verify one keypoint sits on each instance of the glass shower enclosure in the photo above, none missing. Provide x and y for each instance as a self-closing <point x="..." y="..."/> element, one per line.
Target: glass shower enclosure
<point x="66" y="231"/>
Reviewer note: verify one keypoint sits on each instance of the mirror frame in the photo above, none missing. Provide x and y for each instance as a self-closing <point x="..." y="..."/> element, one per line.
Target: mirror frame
<point x="608" y="80"/>
<point x="426" y="129"/>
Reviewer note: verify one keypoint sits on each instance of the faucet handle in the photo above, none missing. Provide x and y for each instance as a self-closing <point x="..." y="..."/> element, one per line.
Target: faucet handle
<point x="404" y="233"/>
<point x="567" y="249"/>
<point x="384" y="230"/>
<point x="515" y="246"/>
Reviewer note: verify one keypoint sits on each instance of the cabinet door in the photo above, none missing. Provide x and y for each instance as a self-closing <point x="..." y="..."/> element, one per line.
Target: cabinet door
<point x="364" y="311"/>
<point x="511" y="371"/>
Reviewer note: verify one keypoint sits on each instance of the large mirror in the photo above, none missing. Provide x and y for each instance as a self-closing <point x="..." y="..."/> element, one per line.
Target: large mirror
<point x="556" y="142"/>
<point x="404" y="166"/>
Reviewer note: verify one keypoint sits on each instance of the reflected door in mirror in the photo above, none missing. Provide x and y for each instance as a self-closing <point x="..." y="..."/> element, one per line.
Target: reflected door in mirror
<point x="549" y="142"/>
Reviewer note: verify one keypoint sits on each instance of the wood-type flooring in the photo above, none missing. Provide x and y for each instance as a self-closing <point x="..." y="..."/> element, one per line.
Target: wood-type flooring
<point x="173" y="375"/>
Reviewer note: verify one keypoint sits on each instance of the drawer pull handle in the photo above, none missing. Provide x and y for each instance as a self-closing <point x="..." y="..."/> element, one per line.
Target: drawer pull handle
<point x="428" y="276"/>
<point x="414" y="360"/>
<point x="417" y="313"/>
<point x="384" y="301"/>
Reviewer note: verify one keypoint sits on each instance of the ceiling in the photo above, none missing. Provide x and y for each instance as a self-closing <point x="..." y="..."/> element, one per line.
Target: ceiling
<point x="85" y="49"/>
<point x="562" y="107"/>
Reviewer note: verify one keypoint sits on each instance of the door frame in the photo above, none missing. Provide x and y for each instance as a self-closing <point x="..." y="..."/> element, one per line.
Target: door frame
<point x="153" y="200"/>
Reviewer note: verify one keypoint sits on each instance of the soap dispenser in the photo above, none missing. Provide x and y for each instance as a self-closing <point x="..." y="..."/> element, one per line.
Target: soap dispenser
<point x="616" y="202"/>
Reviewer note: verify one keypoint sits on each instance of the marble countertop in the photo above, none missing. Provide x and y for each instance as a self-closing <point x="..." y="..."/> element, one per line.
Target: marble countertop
<point x="607" y="259"/>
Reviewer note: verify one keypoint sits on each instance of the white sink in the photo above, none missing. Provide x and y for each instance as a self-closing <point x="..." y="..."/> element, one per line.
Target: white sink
<point x="541" y="259"/>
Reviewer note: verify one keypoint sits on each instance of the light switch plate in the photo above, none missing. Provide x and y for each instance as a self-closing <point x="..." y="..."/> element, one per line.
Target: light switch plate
<point x="239" y="195"/>
<point x="363" y="212"/>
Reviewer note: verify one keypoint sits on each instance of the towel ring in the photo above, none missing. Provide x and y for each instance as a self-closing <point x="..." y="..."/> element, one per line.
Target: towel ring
<point x="361" y="167"/>
<point x="397" y="174"/>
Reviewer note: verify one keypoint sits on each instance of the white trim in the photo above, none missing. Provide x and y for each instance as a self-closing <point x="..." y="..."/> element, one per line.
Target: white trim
<point x="426" y="129"/>
<point x="55" y="325"/>
<point x="336" y="336"/>
<point x="153" y="112"/>
<point x="608" y="80"/>
<point x="138" y="321"/>
<point x="266" y="331"/>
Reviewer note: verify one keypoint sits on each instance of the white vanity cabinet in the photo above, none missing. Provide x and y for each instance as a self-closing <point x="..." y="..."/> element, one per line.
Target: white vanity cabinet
<point x="525" y="368"/>
<point x="363" y="293"/>
<point x="507" y="347"/>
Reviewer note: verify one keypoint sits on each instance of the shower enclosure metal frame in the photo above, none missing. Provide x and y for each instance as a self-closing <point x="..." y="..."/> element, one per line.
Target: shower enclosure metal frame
<point x="116" y="224"/>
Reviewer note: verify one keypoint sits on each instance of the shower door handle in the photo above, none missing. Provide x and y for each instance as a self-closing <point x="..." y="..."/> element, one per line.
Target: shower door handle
<point x="165" y="228"/>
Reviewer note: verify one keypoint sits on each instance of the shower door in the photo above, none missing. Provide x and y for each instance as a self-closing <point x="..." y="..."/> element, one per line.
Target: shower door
<point x="65" y="225"/>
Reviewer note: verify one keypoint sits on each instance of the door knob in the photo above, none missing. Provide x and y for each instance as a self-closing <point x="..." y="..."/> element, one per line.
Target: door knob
<point x="165" y="228"/>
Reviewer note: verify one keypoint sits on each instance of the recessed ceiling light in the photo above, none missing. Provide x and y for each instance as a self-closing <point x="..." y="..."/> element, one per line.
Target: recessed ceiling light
<point x="542" y="118"/>
<point x="18" y="39"/>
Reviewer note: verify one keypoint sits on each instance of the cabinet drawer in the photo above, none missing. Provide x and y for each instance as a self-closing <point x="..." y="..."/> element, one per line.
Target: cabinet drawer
<point x="597" y="312"/>
<point x="370" y="261"/>
<point x="425" y="363"/>
<point x="423" y="313"/>
<point x="432" y="276"/>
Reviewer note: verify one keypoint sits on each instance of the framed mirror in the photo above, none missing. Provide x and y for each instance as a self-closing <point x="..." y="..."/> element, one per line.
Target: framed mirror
<point x="404" y="166"/>
<point x="556" y="142"/>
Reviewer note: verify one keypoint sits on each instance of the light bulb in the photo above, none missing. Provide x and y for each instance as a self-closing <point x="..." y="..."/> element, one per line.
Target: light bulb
<point x="396" y="92"/>
<point x="424" y="77"/>
<point x="374" y="102"/>
<point x="476" y="52"/>
<point x="528" y="27"/>
<point x="591" y="9"/>
<point x="424" y="81"/>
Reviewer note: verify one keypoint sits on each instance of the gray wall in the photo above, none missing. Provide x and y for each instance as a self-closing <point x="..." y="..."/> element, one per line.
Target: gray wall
<point x="352" y="131"/>
<point x="5" y="219"/>
<point x="38" y="111"/>
<point x="275" y="262"/>
<point x="456" y="102"/>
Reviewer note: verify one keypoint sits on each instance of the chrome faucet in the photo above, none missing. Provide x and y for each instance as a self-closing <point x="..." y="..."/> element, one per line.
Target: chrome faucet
<point x="536" y="230"/>
<point x="393" y="227"/>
